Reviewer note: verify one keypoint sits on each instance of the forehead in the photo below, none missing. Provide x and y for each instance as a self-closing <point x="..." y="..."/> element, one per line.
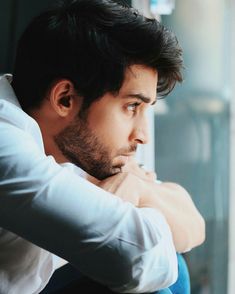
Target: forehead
<point x="140" y="79"/>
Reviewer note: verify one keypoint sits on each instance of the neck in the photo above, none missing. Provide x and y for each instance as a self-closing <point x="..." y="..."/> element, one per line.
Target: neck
<point x="52" y="149"/>
<point x="48" y="129"/>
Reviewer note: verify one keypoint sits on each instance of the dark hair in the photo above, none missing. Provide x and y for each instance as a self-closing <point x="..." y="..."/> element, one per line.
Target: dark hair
<point x="91" y="43"/>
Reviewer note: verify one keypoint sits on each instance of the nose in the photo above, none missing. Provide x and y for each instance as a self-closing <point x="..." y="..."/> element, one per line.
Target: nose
<point x="140" y="132"/>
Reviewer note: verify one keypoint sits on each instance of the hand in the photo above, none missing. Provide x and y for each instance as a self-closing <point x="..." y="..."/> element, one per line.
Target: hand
<point x="133" y="167"/>
<point x="186" y="223"/>
<point x="125" y="185"/>
<point x="130" y="184"/>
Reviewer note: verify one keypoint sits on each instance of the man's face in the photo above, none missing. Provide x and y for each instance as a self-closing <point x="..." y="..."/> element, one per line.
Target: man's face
<point x="102" y="142"/>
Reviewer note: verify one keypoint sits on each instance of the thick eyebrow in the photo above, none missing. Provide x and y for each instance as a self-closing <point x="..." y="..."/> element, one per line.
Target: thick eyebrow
<point x="142" y="98"/>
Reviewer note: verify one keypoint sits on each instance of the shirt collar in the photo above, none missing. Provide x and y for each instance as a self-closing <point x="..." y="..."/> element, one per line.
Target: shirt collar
<point x="75" y="169"/>
<point x="7" y="92"/>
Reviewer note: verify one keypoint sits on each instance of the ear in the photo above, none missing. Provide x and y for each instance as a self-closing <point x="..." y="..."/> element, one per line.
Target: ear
<point x="63" y="98"/>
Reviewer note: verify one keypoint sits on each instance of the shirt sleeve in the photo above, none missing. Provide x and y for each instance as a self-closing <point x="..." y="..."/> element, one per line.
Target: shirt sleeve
<point x="128" y="249"/>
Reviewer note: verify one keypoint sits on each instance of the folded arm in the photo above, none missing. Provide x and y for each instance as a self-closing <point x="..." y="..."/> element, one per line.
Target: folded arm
<point x="128" y="249"/>
<point x="186" y="223"/>
<point x="140" y="188"/>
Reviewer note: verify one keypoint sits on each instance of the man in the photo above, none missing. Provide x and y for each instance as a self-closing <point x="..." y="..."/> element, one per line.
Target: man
<point x="85" y="74"/>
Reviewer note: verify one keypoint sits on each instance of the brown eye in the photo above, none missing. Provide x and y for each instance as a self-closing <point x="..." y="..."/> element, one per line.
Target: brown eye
<point x="133" y="106"/>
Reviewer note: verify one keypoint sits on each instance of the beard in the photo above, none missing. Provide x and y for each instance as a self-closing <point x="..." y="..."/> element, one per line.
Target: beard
<point x="82" y="147"/>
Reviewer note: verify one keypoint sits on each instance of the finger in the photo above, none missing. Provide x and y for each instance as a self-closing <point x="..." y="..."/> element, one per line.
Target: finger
<point x="151" y="175"/>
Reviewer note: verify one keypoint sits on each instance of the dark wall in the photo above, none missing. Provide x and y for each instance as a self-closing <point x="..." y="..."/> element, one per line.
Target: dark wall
<point x="14" y="16"/>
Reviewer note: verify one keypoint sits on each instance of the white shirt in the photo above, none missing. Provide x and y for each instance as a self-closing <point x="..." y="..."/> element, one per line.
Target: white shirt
<point x="128" y="249"/>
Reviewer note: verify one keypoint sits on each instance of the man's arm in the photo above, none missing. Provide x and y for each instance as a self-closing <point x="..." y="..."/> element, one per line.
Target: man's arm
<point x="128" y="249"/>
<point x="185" y="221"/>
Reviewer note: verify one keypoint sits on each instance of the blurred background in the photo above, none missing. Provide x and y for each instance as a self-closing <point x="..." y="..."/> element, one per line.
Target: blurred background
<point x="193" y="130"/>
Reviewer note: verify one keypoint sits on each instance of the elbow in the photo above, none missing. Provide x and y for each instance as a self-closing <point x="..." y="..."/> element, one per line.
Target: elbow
<point x="156" y="269"/>
<point x="201" y="231"/>
<point x="195" y="229"/>
<point x="198" y="234"/>
<point x="149" y="281"/>
<point x="158" y="278"/>
<point x="194" y="237"/>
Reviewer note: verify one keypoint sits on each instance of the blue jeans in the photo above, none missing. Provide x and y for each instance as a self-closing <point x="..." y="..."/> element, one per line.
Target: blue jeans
<point x="75" y="283"/>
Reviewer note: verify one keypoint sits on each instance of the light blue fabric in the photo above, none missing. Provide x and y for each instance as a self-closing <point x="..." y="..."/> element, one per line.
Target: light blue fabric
<point x="182" y="285"/>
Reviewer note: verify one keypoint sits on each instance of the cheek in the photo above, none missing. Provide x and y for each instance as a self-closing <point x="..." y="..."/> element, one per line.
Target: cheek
<point x="120" y="134"/>
<point x="110" y="124"/>
<point x="114" y="133"/>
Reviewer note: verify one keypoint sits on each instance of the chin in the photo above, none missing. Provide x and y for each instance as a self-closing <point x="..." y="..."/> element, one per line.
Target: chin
<point x="117" y="169"/>
<point x="113" y="171"/>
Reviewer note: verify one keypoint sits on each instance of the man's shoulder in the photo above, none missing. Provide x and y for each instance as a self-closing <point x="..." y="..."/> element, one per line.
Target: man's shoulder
<point x="10" y="110"/>
<point x="14" y="121"/>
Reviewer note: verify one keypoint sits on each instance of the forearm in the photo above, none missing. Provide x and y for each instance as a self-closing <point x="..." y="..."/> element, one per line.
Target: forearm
<point x="186" y="223"/>
<point x="85" y="225"/>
